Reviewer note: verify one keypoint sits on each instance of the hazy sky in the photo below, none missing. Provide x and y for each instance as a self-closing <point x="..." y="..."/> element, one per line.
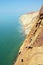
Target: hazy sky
<point x="12" y="7"/>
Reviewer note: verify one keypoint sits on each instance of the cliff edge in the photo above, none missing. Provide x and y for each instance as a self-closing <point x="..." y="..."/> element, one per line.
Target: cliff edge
<point x="31" y="51"/>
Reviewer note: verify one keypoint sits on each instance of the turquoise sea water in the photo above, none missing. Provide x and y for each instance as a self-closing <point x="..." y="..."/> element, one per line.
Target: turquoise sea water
<point x="11" y="38"/>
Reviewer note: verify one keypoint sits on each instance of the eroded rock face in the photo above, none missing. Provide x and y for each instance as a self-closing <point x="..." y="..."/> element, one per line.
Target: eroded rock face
<point x="27" y="20"/>
<point x="32" y="56"/>
<point x="41" y="10"/>
<point x="39" y="40"/>
<point x="31" y="52"/>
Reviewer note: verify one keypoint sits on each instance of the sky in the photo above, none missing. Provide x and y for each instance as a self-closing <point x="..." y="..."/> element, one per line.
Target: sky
<point x="13" y="7"/>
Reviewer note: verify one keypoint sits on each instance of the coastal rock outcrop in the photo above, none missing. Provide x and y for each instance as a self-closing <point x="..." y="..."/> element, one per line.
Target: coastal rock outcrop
<point x="27" y="21"/>
<point x="31" y="51"/>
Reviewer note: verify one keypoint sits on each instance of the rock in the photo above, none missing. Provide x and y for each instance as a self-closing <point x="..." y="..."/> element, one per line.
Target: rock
<point x="32" y="47"/>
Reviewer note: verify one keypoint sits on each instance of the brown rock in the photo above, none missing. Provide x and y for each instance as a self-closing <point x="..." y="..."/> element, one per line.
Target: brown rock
<point x="41" y="10"/>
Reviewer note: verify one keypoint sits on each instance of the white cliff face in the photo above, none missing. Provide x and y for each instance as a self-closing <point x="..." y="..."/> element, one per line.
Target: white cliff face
<point x="27" y="21"/>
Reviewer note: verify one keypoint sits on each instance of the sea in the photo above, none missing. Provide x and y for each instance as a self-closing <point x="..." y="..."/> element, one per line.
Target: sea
<point x="11" y="38"/>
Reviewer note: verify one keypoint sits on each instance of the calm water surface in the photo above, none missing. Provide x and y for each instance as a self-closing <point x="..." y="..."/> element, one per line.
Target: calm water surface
<point x="11" y="38"/>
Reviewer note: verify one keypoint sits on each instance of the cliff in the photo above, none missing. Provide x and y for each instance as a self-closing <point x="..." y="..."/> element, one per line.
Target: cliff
<point x="27" y="21"/>
<point x="31" y="51"/>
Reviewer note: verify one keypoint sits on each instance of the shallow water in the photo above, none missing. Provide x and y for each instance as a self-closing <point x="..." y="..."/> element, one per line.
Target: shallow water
<point x="11" y="38"/>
